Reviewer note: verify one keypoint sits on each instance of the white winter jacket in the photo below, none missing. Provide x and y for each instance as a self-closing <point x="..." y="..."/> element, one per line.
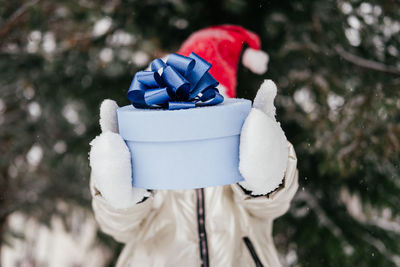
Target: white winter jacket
<point x="218" y="226"/>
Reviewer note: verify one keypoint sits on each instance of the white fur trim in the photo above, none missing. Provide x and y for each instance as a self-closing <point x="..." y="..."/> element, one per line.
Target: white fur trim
<point x="255" y="60"/>
<point x="222" y="90"/>
<point x="108" y="116"/>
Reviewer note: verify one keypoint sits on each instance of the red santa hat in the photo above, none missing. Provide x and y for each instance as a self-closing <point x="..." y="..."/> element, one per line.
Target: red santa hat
<point x="222" y="46"/>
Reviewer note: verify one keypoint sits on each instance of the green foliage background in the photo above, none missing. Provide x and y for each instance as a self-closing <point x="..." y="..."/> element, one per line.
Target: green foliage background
<point x="337" y="67"/>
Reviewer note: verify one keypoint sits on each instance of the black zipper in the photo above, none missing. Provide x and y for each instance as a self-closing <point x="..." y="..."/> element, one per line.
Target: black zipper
<point x="253" y="252"/>
<point x="201" y="224"/>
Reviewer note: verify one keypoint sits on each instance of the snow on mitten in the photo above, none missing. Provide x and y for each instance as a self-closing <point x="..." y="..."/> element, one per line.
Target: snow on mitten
<point x="110" y="161"/>
<point x="263" y="145"/>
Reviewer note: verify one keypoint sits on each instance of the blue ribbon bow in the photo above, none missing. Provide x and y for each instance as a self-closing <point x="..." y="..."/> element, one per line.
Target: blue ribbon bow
<point x="181" y="82"/>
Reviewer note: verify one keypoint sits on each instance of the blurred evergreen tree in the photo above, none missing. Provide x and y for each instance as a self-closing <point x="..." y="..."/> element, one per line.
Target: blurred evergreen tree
<point x="337" y="66"/>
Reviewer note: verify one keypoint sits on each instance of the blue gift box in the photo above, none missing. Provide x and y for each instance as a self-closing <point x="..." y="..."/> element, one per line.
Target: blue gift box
<point x="184" y="149"/>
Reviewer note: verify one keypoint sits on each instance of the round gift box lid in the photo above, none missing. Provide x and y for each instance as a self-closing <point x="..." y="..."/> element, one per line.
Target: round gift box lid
<point x="158" y="125"/>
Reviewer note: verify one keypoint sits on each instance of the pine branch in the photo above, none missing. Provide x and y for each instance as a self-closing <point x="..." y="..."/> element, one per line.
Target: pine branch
<point x="366" y="63"/>
<point x="16" y="17"/>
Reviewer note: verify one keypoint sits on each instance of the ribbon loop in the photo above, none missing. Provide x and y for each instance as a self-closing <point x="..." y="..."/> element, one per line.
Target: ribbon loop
<point x="207" y="81"/>
<point x="178" y="85"/>
<point x="149" y="78"/>
<point x="157" y="96"/>
<point x="181" y="82"/>
<point x="181" y="63"/>
<point x="210" y="97"/>
<point x="157" y="64"/>
<point x="201" y="67"/>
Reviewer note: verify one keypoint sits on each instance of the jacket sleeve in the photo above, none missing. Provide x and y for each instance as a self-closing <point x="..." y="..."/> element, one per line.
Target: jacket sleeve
<point x="276" y="203"/>
<point x="122" y="224"/>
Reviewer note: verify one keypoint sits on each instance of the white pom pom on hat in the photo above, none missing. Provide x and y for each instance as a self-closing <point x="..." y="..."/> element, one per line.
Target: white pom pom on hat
<point x="255" y="60"/>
